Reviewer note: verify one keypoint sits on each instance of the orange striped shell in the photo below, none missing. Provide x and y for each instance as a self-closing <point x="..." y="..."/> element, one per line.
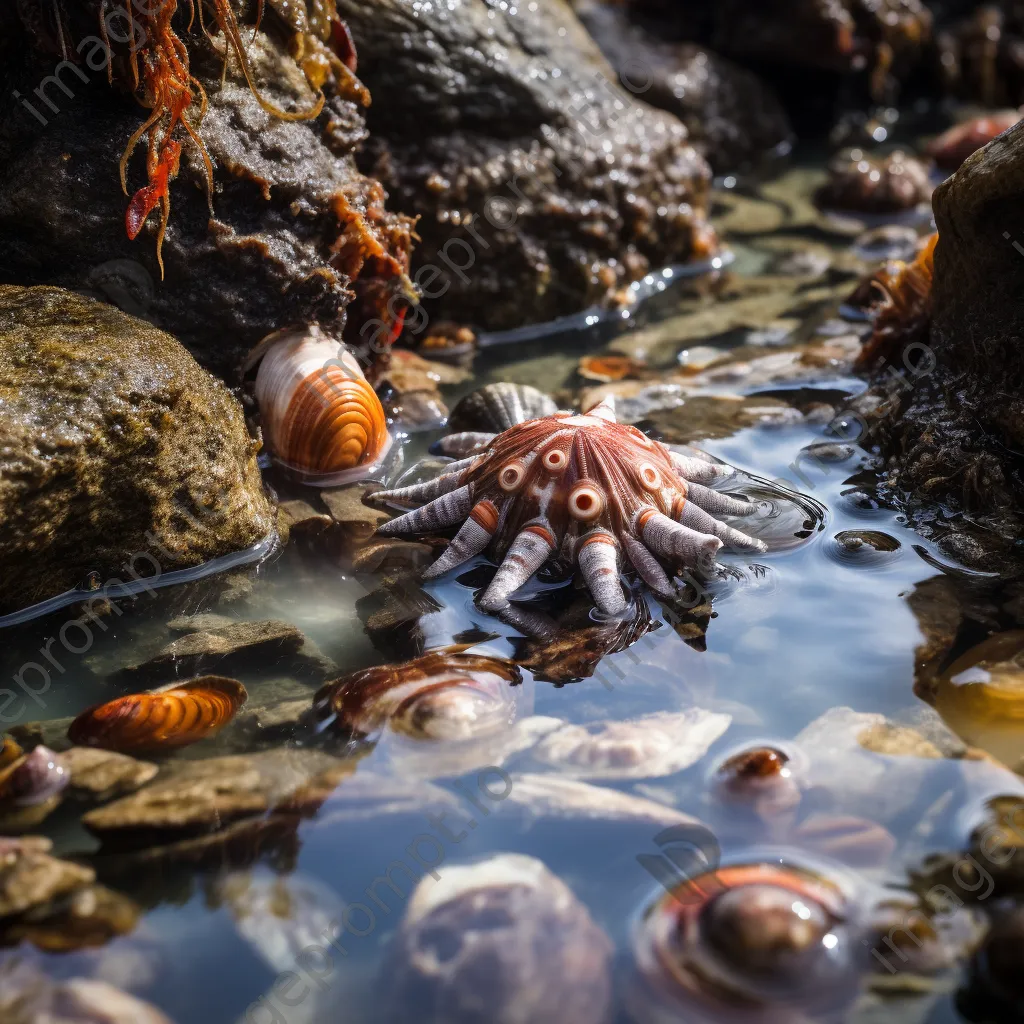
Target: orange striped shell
<point x="321" y="418"/>
<point x="172" y="716"/>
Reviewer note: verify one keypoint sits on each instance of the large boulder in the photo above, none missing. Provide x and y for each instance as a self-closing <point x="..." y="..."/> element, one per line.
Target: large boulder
<point x="952" y="423"/>
<point x="541" y="185"/>
<point x="119" y="455"/>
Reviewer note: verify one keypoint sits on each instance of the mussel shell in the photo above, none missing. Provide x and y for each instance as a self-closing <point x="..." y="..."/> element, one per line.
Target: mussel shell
<point x="164" y="719"/>
<point x="438" y="696"/>
<point x="322" y="421"/>
<point x="751" y="936"/>
<point x="33" y="779"/>
<point x="497" y="407"/>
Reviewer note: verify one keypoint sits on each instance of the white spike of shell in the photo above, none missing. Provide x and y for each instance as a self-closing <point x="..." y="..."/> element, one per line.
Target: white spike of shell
<point x="321" y="419"/>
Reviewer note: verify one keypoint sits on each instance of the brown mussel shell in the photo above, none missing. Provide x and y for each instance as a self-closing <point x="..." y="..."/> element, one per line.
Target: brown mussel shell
<point x="161" y="720"/>
<point x="765" y="937"/>
<point x="439" y="695"/>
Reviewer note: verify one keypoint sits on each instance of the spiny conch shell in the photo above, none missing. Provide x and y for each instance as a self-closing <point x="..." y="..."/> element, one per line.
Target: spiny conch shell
<point x="322" y="421"/>
<point x="500" y="941"/>
<point x="496" y="407"/>
<point x="441" y="713"/>
<point x="771" y="942"/>
<point x="164" y="719"/>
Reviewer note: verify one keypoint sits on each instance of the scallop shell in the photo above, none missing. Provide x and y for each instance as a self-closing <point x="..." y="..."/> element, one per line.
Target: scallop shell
<point x="497" y="407"/>
<point x="164" y="719"/>
<point x="322" y="421"/>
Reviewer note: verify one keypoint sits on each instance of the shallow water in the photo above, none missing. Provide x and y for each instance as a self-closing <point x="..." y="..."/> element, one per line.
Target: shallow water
<point x="794" y="633"/>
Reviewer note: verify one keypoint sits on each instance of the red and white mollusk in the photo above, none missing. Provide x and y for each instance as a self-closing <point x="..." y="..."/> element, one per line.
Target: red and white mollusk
<point x="580" y="488"/>
<point x="321" y="419"/>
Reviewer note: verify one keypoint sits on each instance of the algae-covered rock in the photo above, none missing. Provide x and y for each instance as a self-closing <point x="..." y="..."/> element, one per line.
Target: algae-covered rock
<point x="119" y="457"/>
<point x="541" y="185"/>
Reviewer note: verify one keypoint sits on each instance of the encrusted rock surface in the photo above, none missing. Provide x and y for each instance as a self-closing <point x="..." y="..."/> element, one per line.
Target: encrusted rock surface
<point x="119" y="455"/>
<point x="541" y="186"/>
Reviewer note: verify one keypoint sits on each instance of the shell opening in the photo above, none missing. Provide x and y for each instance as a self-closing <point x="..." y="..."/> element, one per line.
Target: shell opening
<point x="586" y="502"/>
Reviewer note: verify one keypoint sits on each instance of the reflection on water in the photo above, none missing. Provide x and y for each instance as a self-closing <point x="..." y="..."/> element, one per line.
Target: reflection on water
<point x="274" y="891"/>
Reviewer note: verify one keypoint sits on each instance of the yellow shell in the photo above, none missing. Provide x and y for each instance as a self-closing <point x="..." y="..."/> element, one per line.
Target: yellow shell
<point x="321" y="418"/>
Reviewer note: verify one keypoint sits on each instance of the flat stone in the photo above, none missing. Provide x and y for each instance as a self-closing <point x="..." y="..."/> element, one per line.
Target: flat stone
<point x="347" y="509"/>
<point x="202" y="796"/>
<point x="298" y="519"/>
<point x="29" y="876"/>
<point x="102" y="775"/>
<point x="389" y="553"/>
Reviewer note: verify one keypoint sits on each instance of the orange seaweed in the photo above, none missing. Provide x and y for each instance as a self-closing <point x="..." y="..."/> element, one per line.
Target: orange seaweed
<point x="903" y="315"/>
<point x="160" y="72"/>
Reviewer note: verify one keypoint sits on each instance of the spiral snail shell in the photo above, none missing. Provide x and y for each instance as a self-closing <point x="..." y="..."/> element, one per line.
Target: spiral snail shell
<point x="164" y="719"/>
<point x="322" y="420"/>
<point x="771" y="939"/>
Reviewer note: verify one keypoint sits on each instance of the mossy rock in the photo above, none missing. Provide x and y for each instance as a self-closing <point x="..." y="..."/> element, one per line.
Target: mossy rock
<point x="118" y="453"/>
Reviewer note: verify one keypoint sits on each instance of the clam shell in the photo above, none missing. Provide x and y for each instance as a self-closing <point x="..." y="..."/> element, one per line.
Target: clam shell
<point x="440" y="696"/>
<point x="500" y="941"/>
<point x="322" y="421"/>
<point x="497" y="407"/>
<point x="164" y="719"/>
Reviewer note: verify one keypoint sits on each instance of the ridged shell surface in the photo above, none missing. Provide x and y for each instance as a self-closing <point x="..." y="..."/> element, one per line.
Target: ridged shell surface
<point x="496" y="407"/>
<point x="321" y="418"/>
<point x="164" y="719"/>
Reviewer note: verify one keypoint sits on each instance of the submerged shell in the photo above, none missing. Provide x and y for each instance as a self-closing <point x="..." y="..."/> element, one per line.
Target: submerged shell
<point x="496" y="407"/>
<point x="33" y="779"/>
<point x="440" y="696"/>
<point x="164" y="719"/>
<point x="761" y="937"/>
<point x="981" y="696"/>
<point x="659" y="744"/>
<point x="501" y="941"/>
<point x="321" y="418"/>
<point x="765" y="780"/>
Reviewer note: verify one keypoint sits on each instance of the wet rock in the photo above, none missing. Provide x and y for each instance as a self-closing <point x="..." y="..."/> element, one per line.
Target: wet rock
<point x="191" y="797"/>
<point x="102" y="775"/>
<point x="87" y="918"/>
<point x="234" y="643"/>
<point x="500" y="941"/>
<point x="295" y="231"/>
<point x="348" y="510"/>
<point x="950" y="429"/>
<point x="733" y="118"/>
<point x="390" y="554"/>
<point x="28" y="997"/>
<point x="119" y="457"/>
<point x="299" y="520"/>
<point x="486" y="117"/>
<point x="30" y="877"/>
<point x="861" y="183"/>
